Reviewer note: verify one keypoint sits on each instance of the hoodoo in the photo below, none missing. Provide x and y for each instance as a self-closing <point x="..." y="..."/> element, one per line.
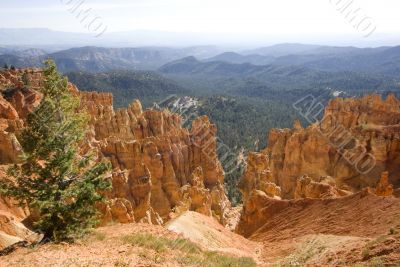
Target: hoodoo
<point x="159" y="168"/>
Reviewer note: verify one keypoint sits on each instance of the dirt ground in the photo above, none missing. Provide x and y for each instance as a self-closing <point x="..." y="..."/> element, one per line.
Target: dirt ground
<point x="105" y="246"/>
<point x="360" y="230"/>
<point x="211" y="235"/>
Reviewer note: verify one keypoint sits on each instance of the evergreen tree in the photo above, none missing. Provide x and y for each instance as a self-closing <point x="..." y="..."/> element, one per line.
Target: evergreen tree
<point x="53" y="180"/>
<point x="25" y="79"/>
<point x="12" y="67"/>
<point x="5" y="66"/>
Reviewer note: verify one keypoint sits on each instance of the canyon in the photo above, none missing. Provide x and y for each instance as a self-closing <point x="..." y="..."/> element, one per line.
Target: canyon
<point x="328" y="190"/>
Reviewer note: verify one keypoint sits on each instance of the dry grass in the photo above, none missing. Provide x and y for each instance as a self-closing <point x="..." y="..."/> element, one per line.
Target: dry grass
<point x="188" y="253"/>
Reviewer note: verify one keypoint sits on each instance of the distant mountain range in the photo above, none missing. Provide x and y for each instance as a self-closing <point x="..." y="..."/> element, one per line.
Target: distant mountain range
<point x="381" y="60"/>
<point x="279" y="50"/>
<point x="205" y="69"/>
<point x="101" y="59"/>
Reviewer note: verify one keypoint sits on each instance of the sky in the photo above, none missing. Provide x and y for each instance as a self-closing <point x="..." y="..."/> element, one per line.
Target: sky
<point x="251" y="17"/>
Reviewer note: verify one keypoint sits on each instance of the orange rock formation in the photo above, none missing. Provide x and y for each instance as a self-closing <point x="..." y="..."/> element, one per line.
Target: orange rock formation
<point x="355" y="142"/>
<point x="383" y="188"/>
<point x="159" y="168"/>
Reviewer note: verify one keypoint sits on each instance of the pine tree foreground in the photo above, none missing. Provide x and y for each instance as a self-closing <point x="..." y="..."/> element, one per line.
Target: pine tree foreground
<point x="52" y="179"/>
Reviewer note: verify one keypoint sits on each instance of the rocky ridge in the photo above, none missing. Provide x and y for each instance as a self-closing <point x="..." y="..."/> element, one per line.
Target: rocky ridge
<point x="305" y="164"/>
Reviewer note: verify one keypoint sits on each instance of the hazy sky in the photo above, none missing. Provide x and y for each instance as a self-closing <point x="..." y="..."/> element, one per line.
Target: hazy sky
<point x="258" y="16"/>
<point x="246" y="20"/>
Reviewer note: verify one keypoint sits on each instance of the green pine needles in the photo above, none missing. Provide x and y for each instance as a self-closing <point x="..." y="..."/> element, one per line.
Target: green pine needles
<point x="53" y="180"/>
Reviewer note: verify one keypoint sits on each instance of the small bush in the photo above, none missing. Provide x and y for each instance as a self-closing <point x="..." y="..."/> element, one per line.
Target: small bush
<point x="99" y="236"/>
<point x="121" y="263"/>
<point x="370" y="245"/>
<point x="377" y="262"/>
<point x="365" y="253"/>
<point x="216" y="259"/>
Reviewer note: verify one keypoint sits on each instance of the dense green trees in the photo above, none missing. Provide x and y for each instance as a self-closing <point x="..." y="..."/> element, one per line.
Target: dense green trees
<point x="53" y="180"/>
<point x="243" y="125"/>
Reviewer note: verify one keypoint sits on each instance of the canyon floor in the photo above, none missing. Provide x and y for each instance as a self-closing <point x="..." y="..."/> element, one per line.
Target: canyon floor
<point x="338" y="232"/>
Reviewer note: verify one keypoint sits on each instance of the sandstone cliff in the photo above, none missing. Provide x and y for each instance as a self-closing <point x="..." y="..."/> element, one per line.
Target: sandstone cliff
<point x="159" y="168"/>
<point x="355" y="142"/>
<point x="327" y="160"/>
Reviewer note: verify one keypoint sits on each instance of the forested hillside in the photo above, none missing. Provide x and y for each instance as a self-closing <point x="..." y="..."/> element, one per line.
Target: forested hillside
<point x="253" y="80"/>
